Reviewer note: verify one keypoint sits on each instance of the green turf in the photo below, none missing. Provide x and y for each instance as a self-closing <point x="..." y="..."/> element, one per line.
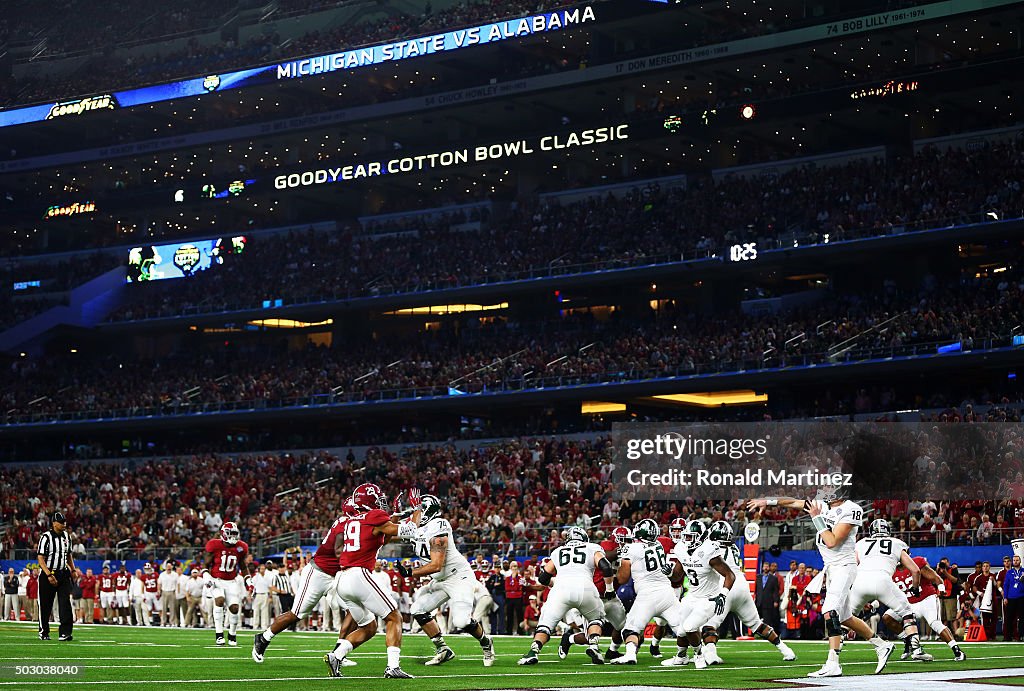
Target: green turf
<point x="123" y="655"/>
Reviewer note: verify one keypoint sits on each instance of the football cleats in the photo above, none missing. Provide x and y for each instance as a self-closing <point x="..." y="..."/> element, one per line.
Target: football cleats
<point x="722" y="532"/>
<point x="575" y="534"/>
<point x="646" y="531"/>
<point x="369" y="496"/>
<point x="879" y="526"/>
<point x="623" y="536"/>
<point x="676" y="528"/>
<point x="430" y="508"/>
<point x="229" y="533"/>
<point x="693" y="534"/>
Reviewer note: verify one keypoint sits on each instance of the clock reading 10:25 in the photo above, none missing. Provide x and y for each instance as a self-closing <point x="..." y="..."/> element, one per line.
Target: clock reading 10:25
<point x="743" y="253"/>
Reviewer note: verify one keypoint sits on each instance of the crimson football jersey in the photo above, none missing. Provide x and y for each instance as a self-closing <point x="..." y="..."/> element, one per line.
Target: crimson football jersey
<point x="106" y="583"/>
<point x="397" y="582"/>
<point x="325" y="558"/>
<point x="667" y="544"/>
<point x="149" y="582"/>
<point x="361" y="544"/>
<point x="226" y="558"/>
<point x="609" y="548"/>
<point x="121" y="580"/>
<point x="904" y="581"/>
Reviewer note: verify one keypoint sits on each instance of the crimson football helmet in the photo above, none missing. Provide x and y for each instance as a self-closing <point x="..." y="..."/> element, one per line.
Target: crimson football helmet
<point x="348" y="507"/>
<point x="623" y="536"/>
<point x="229" y="533"/>
<point x="369" y="496"/>
<point x="676" y="528"/>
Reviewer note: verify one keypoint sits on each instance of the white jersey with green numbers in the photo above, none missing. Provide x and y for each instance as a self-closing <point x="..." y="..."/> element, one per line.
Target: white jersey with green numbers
<point x="844" y="553"/>
<point x="880" y="553"/>
<point x="702" y="578"/>
<point x="645" y="563"/>
<point x="454" y="564"/>
<point x="574" y="563"/>
<point x="731" y="557"/>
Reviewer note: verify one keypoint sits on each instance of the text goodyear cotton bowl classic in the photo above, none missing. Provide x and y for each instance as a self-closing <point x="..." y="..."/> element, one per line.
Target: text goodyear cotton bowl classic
<point x="444" y="159"/>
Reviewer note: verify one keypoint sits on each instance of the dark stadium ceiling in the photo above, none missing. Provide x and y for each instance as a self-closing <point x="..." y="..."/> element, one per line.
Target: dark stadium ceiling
<point x="804" y="123"/>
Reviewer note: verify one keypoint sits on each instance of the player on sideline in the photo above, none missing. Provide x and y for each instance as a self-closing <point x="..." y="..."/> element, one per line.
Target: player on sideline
<point x="364" y="535"/>
<point x="878" y="555"/>
<point x="837" y="520"/>
<point x="451" y="581"/>
<point x="573" y="564"/>
<point x="646" y="563"/>
<point x="675" y="536"/>
<point x="739" y="602"/>
<point x="224" y="558"/>
<point x="925" y="604"/>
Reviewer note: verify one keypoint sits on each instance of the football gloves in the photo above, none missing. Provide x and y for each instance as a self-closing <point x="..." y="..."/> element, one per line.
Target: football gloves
<point x="414" y="498"/>
<point x="719" y="601"/>
<point x="404" y="570"/>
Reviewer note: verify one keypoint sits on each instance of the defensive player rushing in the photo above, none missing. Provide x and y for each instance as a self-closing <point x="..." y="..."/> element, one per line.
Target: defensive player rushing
<point x="878" y="555"/>
<point x="925" y="604"/>
<point x="363" y="536"/>
<point x="316" y="581"/>
<point x="739" y="602"/>
<point x="837" y="521"/>
<point x="452" y="581"/>
<point x="224" y="558"/>
<point x="647" y="564"/>
<point x="573" y="565"/>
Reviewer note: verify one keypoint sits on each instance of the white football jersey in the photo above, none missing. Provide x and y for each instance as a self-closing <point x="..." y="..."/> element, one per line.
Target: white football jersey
<point x="844" y="552"/>
<point x="574" y="562"/>
<point x="454" y="563"/>
<point x="880" y="553"/>
<point x="731" y="557"/>
<point x="703" y="580"/>
<point x="645" y="562"/>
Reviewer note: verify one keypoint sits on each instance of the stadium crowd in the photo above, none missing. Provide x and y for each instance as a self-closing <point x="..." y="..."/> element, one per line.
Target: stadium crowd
<point x="974" y="313"/>
<point x="807" y="205"/>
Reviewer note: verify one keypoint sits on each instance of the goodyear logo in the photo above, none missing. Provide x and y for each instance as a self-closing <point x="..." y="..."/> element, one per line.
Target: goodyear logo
<point x="71" y="209"/>
<point x="81" y="106"/>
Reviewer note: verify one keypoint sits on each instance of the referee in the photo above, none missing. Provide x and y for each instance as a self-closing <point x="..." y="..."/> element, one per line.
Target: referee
<point x="54" y="556"/>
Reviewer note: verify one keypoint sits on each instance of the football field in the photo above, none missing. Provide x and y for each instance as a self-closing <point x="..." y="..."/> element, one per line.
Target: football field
<point x="106" y="655"/>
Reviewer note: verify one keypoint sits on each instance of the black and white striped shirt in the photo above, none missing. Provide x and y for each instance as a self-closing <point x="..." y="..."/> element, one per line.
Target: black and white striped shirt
<point x="283" y="584"/>
<point x="55" y="548"/>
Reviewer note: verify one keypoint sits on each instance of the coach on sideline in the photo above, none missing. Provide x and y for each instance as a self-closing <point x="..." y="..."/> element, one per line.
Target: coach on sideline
<point x="57" y="564"/>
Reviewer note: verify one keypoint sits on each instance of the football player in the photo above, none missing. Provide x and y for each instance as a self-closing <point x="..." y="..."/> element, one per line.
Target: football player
<point x="837" y="521"/>
<point x="710" y="581"/>
<point x="357" y="548"/>
<point x="925" y="604"/>
<point x="225" y="556"/>
<point x="739" y="602"/>
<point x="574" y="564"/>
<point x="614" y="612"/>
<point x="451" y="582"/>
<point x="647" y="564"/>
<point x="878" y="555"/>
<point x="675" y="536"/>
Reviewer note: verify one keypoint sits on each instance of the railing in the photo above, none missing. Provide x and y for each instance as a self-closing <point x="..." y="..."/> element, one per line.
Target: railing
<point x="808" y="238"/>
<point x="519" y="385"/>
